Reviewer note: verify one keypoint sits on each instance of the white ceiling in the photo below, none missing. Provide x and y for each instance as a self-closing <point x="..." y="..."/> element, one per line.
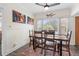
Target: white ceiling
<point x="33" y="8"/>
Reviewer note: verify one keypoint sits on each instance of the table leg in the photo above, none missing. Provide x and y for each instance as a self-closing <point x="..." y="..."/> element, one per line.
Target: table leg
<point x="30" y="42"/>
<point x="60" y="48"/>
<point x="33" y="44"/>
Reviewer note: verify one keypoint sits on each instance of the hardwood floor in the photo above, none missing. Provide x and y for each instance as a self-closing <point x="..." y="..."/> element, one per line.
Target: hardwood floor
<point x="0" y="48"/>
<point x="28" y="51"/>
<point x="0" y="41"/>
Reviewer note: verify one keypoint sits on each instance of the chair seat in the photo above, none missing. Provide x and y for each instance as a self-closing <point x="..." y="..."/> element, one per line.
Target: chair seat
<point x="50" y="43"/>
<point x="39" y="42"/>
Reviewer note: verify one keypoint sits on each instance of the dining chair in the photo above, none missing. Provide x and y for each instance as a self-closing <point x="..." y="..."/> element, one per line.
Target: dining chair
<point x="49" y="43"/>
<point x="31" y="34"/>
<point x="38" y="40"/>
<point x="66" y="44"/>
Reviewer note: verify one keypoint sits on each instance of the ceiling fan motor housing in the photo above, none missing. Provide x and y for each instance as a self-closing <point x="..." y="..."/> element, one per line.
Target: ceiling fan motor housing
<point x="46" y="5"/>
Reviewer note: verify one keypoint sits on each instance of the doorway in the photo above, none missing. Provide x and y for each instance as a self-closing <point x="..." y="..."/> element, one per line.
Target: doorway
<point x="77" y="30"/>
<point x="0" y="36"/>
<point x="1" y="31"/>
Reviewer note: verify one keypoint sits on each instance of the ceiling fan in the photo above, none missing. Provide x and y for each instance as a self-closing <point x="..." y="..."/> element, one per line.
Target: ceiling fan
<point x="45" y="5"/>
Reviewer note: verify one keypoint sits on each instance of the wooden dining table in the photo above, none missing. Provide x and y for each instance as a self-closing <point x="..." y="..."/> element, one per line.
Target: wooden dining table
<point x="60" y="38"/>
<point x="57" y="37"/>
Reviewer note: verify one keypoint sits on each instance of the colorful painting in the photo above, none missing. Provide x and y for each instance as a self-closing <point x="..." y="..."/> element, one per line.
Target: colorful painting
<point x="18" y="17"/>
<point x="30" y="20"/>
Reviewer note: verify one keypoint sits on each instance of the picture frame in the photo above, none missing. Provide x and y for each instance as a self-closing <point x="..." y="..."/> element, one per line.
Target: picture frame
<point x="18" y="17"/>
<point x="30" y="20"/>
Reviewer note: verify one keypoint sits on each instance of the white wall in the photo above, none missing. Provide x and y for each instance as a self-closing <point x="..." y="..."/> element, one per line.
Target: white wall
<point x="75" y="9"/>
<point x="0" y="20"/>
<point x="14" y="35"/>
<point x="71" y="26"/>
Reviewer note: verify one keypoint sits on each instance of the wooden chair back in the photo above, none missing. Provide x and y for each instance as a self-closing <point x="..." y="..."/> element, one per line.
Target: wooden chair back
<point x="50" y="34"/>
<point x="69" y="36"/>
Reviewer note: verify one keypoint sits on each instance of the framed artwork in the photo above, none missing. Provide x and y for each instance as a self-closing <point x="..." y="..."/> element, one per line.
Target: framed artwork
<point x="18" y="17"/>
<point x="30" y="20"/>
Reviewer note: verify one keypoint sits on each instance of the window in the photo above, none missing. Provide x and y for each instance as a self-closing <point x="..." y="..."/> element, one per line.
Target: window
<point x="58" y="24"/>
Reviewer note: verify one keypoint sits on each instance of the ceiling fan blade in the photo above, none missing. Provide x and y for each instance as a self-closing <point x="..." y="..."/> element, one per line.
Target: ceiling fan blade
<point x="39" y="4"/>
<point x="54" y="4"/>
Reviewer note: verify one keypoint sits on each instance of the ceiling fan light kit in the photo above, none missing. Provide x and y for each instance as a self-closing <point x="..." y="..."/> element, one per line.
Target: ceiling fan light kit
<point x="46" y="7"/>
